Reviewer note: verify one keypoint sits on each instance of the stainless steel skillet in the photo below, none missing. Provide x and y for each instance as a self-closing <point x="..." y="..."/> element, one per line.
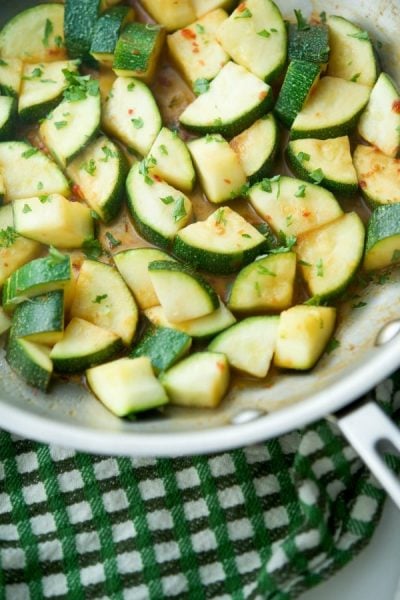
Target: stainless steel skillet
<point x="369" y="351"/>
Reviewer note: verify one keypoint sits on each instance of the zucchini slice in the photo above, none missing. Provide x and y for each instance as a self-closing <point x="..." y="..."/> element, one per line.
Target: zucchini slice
<point x="219" y="168"/>
<point x="221" y="244"/>
<point x="382" y="248"/>
<point x="330" y="160"/>
<point x="133" y="266"/>
<point x="293" y="207"/>
<point x="332" y="110"/>
<point x="15" y="250"/>
<point x="169" y="158"/>
<point x="378" y="176"/>
<point x="202" y="328"/>
<point x="199" y="381"/>
<point x="35" y="278"/>
<point x="131" y="114"/>
<point x="249" y="345"/>
<point x="8" y="113"/>
<point x="27" y="171"/>
<point x="107" y="31"/>
<point x="330" y="255"/>
<point x="352" y="54"/>
<point x="257" y="147"/>
<point x="5" y="321"/>
<point x="303" y="333"/>
<point x="138" y="50"/>
<point x="75" y="121"/>
<point x="41" y="319"/>
<point x="159" y="210"/>
<point x="309" y="43"/>
<point x="42" y="88"/>
<point x="80" y="22"/>
<point x="35" y="35"/>
<point x="102" y="298"/>
<point x="173" y="14"/>
<point x="99" y="172"/>
<point x="182" y="293"/>
<point x="265" y="285"/>
<point x="380" y="123"/>
<point x="10" y="76"/>
<point x="217" y="111"/>
<point x="127" y="386"/>
<point x="202" y="7"/>
<point x="84" y="345"/>
<point x="209" y="57"/>
<point x="54" y="220"/>
<point x="255" y="37"/>
<point x="300" y="80"/>
<point x="30" y="361"/>
<point x="163" y="346"/>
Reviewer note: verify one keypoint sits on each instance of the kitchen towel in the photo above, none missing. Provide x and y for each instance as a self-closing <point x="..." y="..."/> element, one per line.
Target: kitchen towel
<point x="263" y="522"/>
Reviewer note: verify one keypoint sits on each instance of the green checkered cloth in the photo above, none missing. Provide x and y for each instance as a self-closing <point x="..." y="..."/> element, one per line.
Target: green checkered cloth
<point x="264" y="522"/>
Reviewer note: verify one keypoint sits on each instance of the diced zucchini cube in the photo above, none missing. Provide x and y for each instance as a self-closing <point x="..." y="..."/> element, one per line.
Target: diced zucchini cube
<point x="137" y="51"/>
<point x="173" y="14"/>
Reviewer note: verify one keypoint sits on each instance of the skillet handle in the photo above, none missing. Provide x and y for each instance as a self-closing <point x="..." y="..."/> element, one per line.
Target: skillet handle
<point x="370" y="431"/>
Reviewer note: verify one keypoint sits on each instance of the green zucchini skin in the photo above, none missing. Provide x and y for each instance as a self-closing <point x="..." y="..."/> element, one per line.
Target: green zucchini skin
<point x="8" y="117"/>
<point x="299" y="80"/>
<point x="164" y="347"/>
<point x="79" y="25"/>
<point x="106" y="33"/>
<point x="382" y="247"/>
<point x="41" y="315"/>
<point x="309" y="44"/>
<point x="137" y="51"/>
<point x="23" y="363"/>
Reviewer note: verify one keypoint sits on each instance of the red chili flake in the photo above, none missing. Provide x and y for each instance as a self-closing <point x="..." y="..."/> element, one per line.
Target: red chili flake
<point x="202" y="63"/>
<point x="363" y="184"/>
<point x="227" y="181"/>
<point x="131" y="111"/>
<point x="262" y="95"/>
<point x="195" y="50"/>
<point x="157" y="177"/>
<point x="77" y="190"/>
<point x="241" y="7"/>
<point x="306" y="213"/>
<point x="188" y="34"/>
<point x="396" y="106"/>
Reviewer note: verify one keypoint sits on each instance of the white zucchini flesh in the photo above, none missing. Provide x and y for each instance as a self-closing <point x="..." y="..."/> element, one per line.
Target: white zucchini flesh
<point x="169" y="158"/>
<point x="378" y="175"/>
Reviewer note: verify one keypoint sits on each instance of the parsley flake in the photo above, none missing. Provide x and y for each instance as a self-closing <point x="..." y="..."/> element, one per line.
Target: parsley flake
<point x="108" y="153"/>
<point x="137" y="122"/>
<point x="302" y="24"/>
<point x="302" y="156"/>
<point x="332" y="345"/>
<point x="301" y="191"/>
<point x="59" y="42"/>
<point x="60" y="124"/>
<point x="39" y="186"/>
<point x="131" y="86"/>
<point x="163" y="149"/>
<point x="360" y="35"/>
<point x="99" y="299"/>
<point x="89" y="166"/>
<point x="317" y="176"/>
<point x="179" y="211"/>
<point x="264" y="33"/>
<point x="92" y="249"/>
<point x="8" y="237"/>
<point x="265" y="271"/>
<point x="355" y="77"/>
<point x="26" y="209"/>
<point x="200" y="86"/>
<point x="200" y="28"/>
<point x="112" y="241"/>
<point x="320" y="267"/>
<point x="167" y="200"/>
<point x="220" y="217"/>
<point x="55" y="256"/>
<point x="244" y="14"/>
<point x="48" y="30"/>
<point x="44" y="198"/>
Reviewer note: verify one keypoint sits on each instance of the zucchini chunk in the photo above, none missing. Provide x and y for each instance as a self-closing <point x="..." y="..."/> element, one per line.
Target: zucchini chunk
<point x="257" y="147"/>
<point x="378" y="176"/>
<point x="53" y="220"/>
<point x="35" y="35"/>
<point x="107" y="31"/>
<point x="303" y="333"/>
<point x="84" y="345"/>
<point x="75" y="121"/>
<point x="301" y="77"/>
<point x="207" y="57"/>
<point x="15" y="250"/>
<point x="293" y="207"/>
<point x="309" y="43"/>
<point x="163" y="346"/>
<point x="42" y="88"/>
<point x="255" y="37"/>
<point x="380" y="123"/>
<point x="127" y="386"/>
<point x="102" y="298"/>
<point x="99" y="172"/>
<point x="382" y="248"/>
<point x="332" y="110"/>
<point x="330" y="159"/>
<point x="265" y="285"/>
<point x="199" y="381"/>
<point x="201" y="328"/>
<point x="40" y="319"/>
<point x="30" y="361"/>
<point x="138" y="50"/>
<point x="131" y="114"/>
<point x="10" y="76"/>
<point x="352" y="54"/>
<point x="249" y="345"/>
<point x="35" y="278"/>
<point x="217" y="111"/>
<point x="8" y="113"/>
<point x="5" y="321"/>
<point x="183" y="293"/>
<point x="133" y="267"/>
<point x="159" y="210"/>
<point x="173" y="14"/>
<point x="221" y="244"/>
<point x="218" y="166"/>
<point x="330" y="256"/>
<point x="80" y="22"/>
<point x="27" y="171"/>
<point x="202" y="7"/>
<point x="169" y="158"/>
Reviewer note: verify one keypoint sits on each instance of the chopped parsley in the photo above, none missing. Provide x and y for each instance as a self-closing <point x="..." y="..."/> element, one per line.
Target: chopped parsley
<point x="92" y="249"/>
<point x="210" y="137"/>
<point x="35" y="74"/>
<point x="220" y="217"/>
<point x="243" y="14"/>
<point x="265" y="271"/>
<point x="266" y="185"/>
<point x="313" y="301"/>
<point x="131" y="86"/>
<point x="167" y="200"/>
<point x="264" y="33"/>
<point x="200" y="28"/>
<point x="137" y="122"/>
<point x="287" y="242"/>
<point x="59" y="42"/>
<point x="44" y="198"/>
<point x="317" y="176"/>
<point x="301" y="21"/>
<point x="99" y="299"/>
<point x="356" y="77"/>
<point x="361" y="35"/>
<point x="39" y="186"/>
<point x="48" y="30"/>
<point x="108" y="153"/>
<point x="304" y="263"/>
<point x="60" y="124"/>
<point x="8" y="237"/>
<point x="55" y="256"/>
<point x="26" y="209"/>
<point x="79" y="86"/>
<point x="277" y="179"/>
<point x="301" y="191"/>
<point x="332" y="345"/>
<point x="89" y="166"/>
<point x="320" y="267"/>
<point x="163" y="149"/>
<point x="144" y="170"/>
<point x="179" y="211"/>
<point x="200" y="86"/>
<point x="302" y="156"/>
<point x="289" y="220"/>
<point x="246" y="235"/>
